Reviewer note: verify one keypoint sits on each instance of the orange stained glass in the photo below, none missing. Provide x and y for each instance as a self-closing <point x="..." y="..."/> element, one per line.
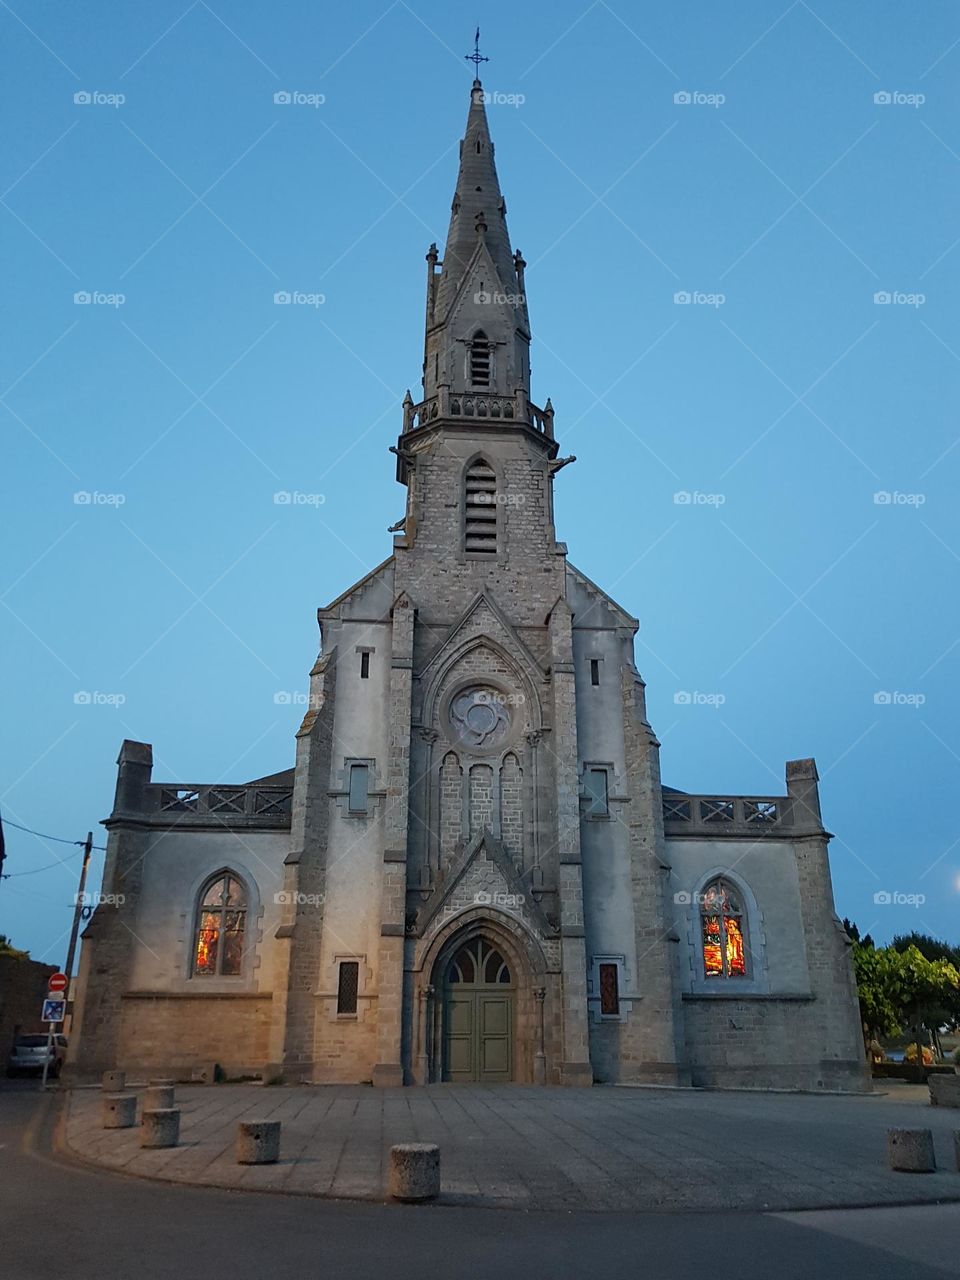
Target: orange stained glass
<point x="712" y="947"/>
<point x="724" y="946"/>
<point x="208" y="939"/>
<point x="736" y="964"/>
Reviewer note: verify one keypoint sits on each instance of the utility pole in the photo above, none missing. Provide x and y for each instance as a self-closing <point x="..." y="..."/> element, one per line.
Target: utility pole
<point x="78" y="910"/>
<point x="71" y="949"/>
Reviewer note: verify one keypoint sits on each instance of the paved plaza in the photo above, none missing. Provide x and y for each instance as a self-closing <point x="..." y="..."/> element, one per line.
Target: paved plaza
<point x="534" y="1148"/>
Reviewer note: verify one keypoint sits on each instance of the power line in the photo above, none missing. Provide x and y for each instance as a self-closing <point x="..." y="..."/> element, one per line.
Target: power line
<point x="12" y="875"/>
<point x="59" y="839"/>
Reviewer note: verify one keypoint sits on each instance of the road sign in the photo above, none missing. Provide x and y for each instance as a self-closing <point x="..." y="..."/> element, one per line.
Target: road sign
<point x="54" y="1010"/>
<point x="58" y="982"/>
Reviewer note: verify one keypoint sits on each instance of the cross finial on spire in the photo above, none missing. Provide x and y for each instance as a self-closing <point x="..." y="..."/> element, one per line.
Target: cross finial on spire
<point x="476" y="57"/>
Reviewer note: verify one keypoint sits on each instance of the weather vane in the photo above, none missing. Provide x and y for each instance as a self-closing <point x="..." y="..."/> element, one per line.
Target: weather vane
<point x="476" y="57"/>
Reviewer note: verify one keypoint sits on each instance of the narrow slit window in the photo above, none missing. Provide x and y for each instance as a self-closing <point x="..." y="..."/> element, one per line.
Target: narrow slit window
<point x="480" y="509"/>
<point x="359" y="787"/>
<point x="609" y="991"/>
<point x="598" y="790"/>
<point x="347" y="986"/>
<point x="594" y="670"/>
<point x="365" y="665"/>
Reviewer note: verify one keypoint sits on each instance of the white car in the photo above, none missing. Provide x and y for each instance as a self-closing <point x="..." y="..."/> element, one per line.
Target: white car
<point x="29" y="1052"/>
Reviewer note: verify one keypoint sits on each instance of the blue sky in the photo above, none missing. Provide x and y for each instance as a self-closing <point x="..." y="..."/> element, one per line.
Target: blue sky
<point x="782" y="197"/>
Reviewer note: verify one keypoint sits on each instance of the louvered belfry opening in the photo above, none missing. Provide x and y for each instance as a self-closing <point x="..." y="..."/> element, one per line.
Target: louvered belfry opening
<point x="480" y="361"/>
<point x="480" y="509"/>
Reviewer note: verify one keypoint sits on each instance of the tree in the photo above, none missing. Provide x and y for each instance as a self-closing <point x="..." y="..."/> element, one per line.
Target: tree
<point x="928" y="989"/>
<point x="935" y="949"/>
<point x="903" y="989"/>
<point x="878" y="988"/>
<point x="853" y="933"/>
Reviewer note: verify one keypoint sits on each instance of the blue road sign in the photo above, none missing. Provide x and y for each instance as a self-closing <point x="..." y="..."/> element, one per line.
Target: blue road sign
<point x="53" y="1011"/>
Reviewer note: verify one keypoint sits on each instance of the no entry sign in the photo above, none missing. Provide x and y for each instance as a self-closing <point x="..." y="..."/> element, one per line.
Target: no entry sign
<point x="58" y="982"/>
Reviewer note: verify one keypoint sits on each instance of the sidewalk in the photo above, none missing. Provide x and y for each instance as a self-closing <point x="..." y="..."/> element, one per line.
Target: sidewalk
<point x="519" y="1147"/>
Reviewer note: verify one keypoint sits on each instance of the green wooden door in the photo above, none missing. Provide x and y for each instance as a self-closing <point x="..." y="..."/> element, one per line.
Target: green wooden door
<point x="478" y="1017"/>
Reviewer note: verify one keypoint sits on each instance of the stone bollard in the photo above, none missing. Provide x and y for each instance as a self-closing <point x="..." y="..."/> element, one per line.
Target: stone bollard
<point x="206" y="1073"/>
<point x="258" y="1142"/>
<point x="911" y="1150"/>
<point x="113" y="1082"/>
<point x="158" y="1097"/>
<point x="119" y="1110"/>
<point x="414" y="1171"/>
<point x="160" y="1128"/>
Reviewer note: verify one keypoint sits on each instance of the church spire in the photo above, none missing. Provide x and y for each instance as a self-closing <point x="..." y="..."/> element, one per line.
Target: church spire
<point x="477" y="200"/>
<point x="477" y="331"/>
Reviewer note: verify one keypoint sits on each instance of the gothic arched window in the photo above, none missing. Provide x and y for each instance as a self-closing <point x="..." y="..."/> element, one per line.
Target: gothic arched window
<point x="219" y="933"/>
<point x="723" y="930"/>
<point x="479" y="356"/>
<point x="480" y="508"/>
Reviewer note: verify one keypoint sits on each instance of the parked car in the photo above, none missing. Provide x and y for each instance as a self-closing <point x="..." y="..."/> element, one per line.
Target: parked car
<point x="29" y="1052"/>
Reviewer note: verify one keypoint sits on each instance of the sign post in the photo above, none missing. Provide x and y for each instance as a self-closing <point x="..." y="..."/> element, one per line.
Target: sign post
<point x="53" y="1013"/>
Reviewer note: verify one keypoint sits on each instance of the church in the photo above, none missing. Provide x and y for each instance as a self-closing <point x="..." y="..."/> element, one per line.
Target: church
<point x="473" y="872"/>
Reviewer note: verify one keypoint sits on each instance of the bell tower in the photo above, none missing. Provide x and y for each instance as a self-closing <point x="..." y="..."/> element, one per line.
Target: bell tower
<point x="476" y="454"/>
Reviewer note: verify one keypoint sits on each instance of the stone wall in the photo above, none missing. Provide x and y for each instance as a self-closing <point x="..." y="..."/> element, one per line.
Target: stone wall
<point x="23" y="988"/>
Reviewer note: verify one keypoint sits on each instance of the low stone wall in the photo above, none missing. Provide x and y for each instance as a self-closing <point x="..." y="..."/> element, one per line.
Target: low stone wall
<point x="163" y="1032"/>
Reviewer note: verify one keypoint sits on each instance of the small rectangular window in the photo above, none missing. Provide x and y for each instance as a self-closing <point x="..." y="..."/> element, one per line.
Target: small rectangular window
<point x="597" y="790"/>
<point x="359" y="784"/>
<point x="594" y="670"/>
<point x="365" y="665"/>
<point x="609" y="991"/>
<point x="347" y="986"/>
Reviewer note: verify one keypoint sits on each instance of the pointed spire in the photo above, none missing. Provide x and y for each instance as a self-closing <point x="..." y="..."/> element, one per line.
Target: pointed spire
<point x="478" y="190"/>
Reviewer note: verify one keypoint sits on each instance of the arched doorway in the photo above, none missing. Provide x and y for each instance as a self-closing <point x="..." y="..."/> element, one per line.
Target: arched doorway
<point x="478" y="1015"/>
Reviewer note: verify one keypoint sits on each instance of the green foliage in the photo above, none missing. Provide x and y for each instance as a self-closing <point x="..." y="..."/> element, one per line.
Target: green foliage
<point x="900" y="987"/>
<point x="8" y="949"/>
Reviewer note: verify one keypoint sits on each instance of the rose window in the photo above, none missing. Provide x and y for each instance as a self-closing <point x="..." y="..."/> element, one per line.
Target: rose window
<point x="480" y="718"/>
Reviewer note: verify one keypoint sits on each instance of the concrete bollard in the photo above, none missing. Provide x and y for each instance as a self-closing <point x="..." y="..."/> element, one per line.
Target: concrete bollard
<point x="119" y="1110"/>
<point x="160" y="1128"/>
<point x="414" y="1171"/>
<point x="158" y="1097"/>
<point x="911" y="1150"/>
<point x="258" y="1142"/>
<point x="206" y="1073"/>
<point x="113" y="1082"/>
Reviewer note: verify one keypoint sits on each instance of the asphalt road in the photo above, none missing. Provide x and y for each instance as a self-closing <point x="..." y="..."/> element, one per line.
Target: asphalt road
<point x="58" y="1219"/>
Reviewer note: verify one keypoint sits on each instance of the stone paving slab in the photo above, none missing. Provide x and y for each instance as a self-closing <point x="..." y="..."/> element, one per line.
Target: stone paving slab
<point x="542" y="1148"/>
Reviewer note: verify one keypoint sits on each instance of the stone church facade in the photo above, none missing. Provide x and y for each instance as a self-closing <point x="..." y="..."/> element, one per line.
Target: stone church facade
<point x="473" y="871"/>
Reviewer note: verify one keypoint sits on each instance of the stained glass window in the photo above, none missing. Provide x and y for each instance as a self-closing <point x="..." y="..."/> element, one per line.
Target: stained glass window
<point x="218" y="947"/>
<point x="722" y="931"/>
